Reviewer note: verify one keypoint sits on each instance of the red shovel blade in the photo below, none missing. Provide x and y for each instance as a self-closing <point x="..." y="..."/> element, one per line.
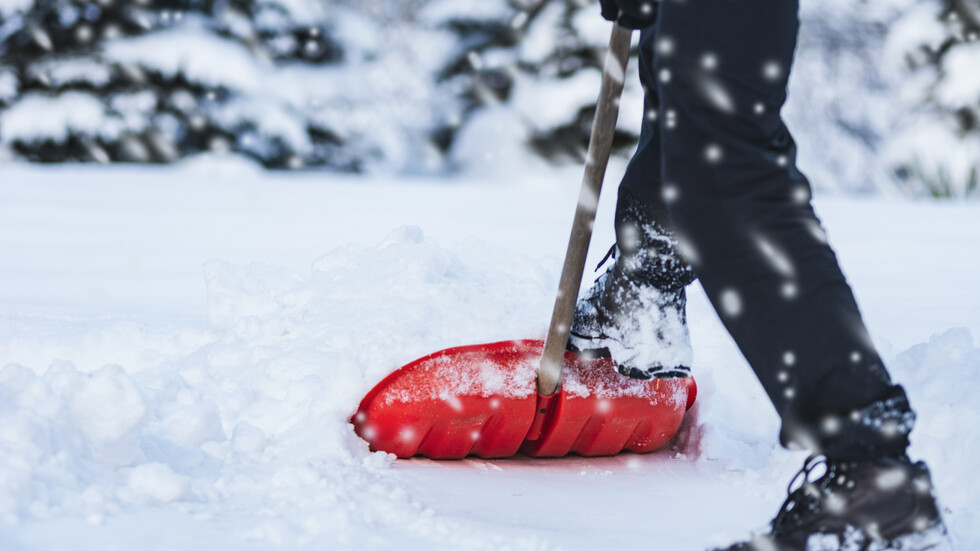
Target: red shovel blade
<point x="482" y="400"/>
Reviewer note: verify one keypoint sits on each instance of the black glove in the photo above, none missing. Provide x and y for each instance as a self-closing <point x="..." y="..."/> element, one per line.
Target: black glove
<point x="632" y="14"/>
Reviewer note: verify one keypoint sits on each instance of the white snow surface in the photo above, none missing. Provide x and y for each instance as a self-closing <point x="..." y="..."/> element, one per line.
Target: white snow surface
<point x="181" y="348"/>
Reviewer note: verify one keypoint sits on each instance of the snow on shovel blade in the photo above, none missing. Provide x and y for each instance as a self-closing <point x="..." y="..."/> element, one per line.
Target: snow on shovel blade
<point x="469" y="400"/>
<point x="482" y="400"/>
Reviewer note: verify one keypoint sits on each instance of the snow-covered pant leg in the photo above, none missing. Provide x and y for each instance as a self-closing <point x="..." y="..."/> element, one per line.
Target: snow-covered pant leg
<point x="742" y="212"/>
<point x="642" y="223"/>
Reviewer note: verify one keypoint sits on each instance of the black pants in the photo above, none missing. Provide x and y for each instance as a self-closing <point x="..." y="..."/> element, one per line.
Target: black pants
<point x="717" y="166"/>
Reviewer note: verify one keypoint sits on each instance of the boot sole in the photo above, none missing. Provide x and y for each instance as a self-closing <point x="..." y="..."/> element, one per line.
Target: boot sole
<point x="934" y="538"/>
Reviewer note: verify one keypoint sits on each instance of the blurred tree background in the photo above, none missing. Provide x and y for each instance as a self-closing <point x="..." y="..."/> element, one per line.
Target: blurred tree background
<point x="885" y="96"/>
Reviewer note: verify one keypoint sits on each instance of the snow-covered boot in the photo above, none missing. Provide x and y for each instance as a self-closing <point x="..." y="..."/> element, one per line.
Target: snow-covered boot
<point x="878" y="505"/>
<point x="635" y="311"/>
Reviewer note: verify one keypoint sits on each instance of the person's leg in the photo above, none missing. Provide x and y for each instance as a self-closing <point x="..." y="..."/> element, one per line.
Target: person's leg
<point x="642" y="181"/>
<point x="642" y="221"/>
<point x="742" y="211"/>
<point x="635" y="311"/>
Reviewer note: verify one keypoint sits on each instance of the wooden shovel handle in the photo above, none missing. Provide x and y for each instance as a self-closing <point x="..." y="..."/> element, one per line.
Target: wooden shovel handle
<point x="600" y="144"/>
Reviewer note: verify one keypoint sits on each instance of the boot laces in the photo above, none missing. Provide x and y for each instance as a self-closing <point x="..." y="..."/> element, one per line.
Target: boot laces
<point x="805" y="496"/>
<point x="611" y="254"/>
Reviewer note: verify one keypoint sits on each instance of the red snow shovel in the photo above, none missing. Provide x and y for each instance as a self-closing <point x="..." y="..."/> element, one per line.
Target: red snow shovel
<point x="534" y="397"/>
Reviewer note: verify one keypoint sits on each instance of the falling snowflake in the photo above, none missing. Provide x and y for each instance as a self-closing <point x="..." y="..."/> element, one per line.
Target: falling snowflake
<point x="731" y="302"/>
<point x="831" y="425"/>
<point x="713" y="153"/>
<point x="801" y="194"/>
<point x="772" y="70"/>
<point x="709" y="61"/>
<point x="717" y="95"/>
<point x="789" y="290"/>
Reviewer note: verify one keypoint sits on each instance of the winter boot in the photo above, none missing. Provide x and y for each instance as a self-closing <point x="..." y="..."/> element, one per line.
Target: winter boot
<point x="878" y="505"/>
<point x="634" y="313"/>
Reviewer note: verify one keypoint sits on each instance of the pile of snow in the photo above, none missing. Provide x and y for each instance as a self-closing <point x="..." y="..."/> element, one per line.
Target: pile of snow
<point x="941" y="375"/>
<point x="256" y="418"/>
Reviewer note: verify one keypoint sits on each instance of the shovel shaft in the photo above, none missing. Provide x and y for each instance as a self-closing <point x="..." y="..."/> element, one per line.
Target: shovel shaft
<point x="600" y="145"/>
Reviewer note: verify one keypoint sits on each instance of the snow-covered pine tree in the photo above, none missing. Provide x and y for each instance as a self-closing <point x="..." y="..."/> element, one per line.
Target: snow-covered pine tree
<point x="529" y="70"/>
<point x="155" y="80"/>
<point x="388" y="84"/>
<point x="937" y="153"/>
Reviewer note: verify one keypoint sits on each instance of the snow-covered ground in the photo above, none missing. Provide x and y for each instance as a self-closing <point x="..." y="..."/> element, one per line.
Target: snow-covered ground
<point x="180" y="349"/>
